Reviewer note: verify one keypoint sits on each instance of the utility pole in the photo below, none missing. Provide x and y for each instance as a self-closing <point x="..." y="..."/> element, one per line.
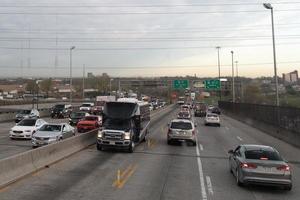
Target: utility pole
<point x="233" y="88"/>
<point x="71" y="78"/>
<point x="219" y="69"/>
<point x="83" y="82"/>
<point x="269" y="7"/>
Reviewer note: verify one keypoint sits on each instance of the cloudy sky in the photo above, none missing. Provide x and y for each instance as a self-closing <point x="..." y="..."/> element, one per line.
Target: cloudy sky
<point x="146" y="38"/>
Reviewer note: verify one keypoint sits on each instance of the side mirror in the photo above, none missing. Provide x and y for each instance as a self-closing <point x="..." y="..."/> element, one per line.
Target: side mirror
<point x="196" y="124"/>
<point x="230" y="151"/>
<point x="168" y="124"/>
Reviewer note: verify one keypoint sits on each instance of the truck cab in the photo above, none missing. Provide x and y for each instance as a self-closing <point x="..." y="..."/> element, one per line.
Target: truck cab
<point x="125" y="124"/>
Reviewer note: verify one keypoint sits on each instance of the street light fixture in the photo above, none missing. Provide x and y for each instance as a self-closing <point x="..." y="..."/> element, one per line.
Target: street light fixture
<point x="269" y="7"/>
<point x="219" y="69"/>
<point x="71" y="79"/>
<point x="233" y="88"/>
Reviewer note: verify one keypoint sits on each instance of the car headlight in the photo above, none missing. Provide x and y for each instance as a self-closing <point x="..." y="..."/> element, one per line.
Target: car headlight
<point x="100" y="134"/>
<point x="127" y="136"/>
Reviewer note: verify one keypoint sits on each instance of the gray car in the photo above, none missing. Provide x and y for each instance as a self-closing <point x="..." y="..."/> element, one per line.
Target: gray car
<point x="51" y="133"/>
<point x="258" y="164"/>
<point x="29" y="113"/>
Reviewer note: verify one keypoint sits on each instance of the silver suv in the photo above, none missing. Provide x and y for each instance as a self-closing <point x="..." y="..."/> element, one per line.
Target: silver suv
<point x="182" y="130"/>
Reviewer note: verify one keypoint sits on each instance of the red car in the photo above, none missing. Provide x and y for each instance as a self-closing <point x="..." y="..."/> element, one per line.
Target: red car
<point x="89" y="123"/>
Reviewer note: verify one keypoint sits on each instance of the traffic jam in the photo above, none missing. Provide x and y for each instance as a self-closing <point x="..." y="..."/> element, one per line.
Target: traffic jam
<point x="124" y="123"/>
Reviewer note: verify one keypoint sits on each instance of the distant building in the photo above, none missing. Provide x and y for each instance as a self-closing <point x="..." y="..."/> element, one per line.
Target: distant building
<point x="290" y="78"/>
<point x="90" y="75"/>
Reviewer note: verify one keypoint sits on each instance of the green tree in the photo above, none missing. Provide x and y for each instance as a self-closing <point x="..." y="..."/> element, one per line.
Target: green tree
<point x="46" y="86"/>
<point x="253" y="94"/>
<point x="31" y="86"/>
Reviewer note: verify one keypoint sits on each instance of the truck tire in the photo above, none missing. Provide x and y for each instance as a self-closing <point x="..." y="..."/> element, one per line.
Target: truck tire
<point x="99" y="147"/>
<point x="131" y="147"/>
<point x="144" y="139"/>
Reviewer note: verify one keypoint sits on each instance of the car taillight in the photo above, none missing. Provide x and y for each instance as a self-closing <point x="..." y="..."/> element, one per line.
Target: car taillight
<point x="193" y="132"/>
<point x="248" y="165"/>
<point x="284" y="168"/>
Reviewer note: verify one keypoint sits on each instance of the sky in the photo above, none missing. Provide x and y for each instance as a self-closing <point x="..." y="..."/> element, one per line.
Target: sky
<point x="146" y="38"/>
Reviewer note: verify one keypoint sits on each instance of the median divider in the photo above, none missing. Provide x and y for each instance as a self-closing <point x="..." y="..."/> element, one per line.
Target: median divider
<point x="18" y="166"/>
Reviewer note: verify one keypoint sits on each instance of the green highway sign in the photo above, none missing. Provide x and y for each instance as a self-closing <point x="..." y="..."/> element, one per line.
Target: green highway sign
<point x="180" y="84"/>
<point x="212" y="84"/>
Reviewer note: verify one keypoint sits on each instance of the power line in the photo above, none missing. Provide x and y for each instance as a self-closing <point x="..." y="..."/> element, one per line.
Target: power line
<point x="143" y="13"/>
<point x="139" y="48"/>
<point x="98" y="5"/>
<point x="151" y="67"/>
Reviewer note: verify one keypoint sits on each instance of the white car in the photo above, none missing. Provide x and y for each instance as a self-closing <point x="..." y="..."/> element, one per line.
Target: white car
<point x="212" y="119"/>
<point x="29" y="113"/>
<point x="26" y="128"/>
<point x="86" y="107"/>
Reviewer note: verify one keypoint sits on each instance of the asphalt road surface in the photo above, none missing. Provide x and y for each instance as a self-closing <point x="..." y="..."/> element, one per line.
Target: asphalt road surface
<point x="157" y="171"/>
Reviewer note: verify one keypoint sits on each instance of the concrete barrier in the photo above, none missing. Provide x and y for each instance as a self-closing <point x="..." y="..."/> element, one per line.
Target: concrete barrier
<point x="20" y="165"/>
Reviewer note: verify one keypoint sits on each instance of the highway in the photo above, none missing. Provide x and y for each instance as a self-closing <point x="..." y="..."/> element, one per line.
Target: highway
<point x="158" y="171"/>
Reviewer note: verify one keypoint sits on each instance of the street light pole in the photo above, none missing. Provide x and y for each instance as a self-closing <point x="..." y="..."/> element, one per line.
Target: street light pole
<point x="237" y="69"/>
<point x="83" y="82"/>
<point x="233" y="88"/>
<point x="72" y="48"/>
<point x="269" y="7"/>
<point x="219" y="69"/>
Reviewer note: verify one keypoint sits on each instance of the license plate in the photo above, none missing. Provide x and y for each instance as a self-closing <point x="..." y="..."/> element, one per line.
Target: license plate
<point x="112" y="143"/>
<point x="269" y="169"/>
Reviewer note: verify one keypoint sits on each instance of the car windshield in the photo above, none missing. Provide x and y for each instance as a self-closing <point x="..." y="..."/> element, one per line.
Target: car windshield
<point x="51" y="128"/>
<point x="90" y="118"/>
<point x="77" y="115"/>
<point x="26" y="112"/>
<point x="212" y="116"/>
<point x="183" y="114"/>
<point x="181" y="125"/>
<point x="59" y="107"/>
<point x="261" y="154"/>
<point x="27" y="122"/>
<point x="86" y="105"/>
<point x="117" y="124"/>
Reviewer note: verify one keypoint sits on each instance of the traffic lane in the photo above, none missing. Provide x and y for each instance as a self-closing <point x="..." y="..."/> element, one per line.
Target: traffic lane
<point x="10" y="147"/>
<point x="216" y="141"/>
<point x="154" y="171"/>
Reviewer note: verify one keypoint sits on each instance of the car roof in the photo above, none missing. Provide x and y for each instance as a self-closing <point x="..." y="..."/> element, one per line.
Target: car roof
<point x="213" y="114"/>
<point x="181" y="120"/>
<point x="56" y="124"/>
<point x="249" y="147"/>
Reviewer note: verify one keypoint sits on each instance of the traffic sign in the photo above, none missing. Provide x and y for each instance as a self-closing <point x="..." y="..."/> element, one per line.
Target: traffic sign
<point x="180" y="84"/>
<point x="212" y="84"/>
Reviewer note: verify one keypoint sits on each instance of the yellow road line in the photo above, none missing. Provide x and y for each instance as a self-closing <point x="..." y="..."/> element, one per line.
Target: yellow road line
<point x="123" y="176"/>
<point x="123" y="182"/>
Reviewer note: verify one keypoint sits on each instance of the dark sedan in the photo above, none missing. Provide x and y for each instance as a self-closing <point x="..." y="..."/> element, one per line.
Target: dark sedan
<point x="258" y="164"/>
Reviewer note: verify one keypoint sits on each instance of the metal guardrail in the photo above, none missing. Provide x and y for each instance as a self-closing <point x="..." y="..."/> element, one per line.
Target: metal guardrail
<point x="286" y="118"/>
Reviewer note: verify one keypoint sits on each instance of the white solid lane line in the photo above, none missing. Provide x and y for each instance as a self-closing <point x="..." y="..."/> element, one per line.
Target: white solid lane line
<point x="201" y="147"/>
<point x="209" y="185"/>
<point x="239" y="138"/>
<point x="201" y="176"/>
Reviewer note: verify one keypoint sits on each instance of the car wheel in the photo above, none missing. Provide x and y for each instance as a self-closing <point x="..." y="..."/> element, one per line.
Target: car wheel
<point x="238" y="182"/>
<point x="288" y="188"/>
<point x="193" y="143"/>
<point x="99" y="147"/>
<point x="131" y="147"/>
